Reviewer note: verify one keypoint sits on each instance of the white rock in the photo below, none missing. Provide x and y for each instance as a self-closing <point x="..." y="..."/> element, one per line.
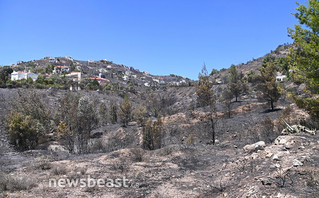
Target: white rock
<point x="276" y="158"/>
<point x="297" y="163"/>
<point x="255" y="147"/>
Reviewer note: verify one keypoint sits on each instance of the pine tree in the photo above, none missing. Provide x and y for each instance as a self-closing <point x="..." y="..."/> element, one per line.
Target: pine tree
<point x="126" y="110"/>
<point x="113" y="112"/>
<point x="153" y="134"/>
<point x="227" y="97"/>
<point x="205" y="97"/>
<point x="304" y="57"/>
<point x="268" y="89"/>
<point x="235" y="84"/>
<point x="103" y="114"/>
<point x="205" y="94"/>
<point x="141" y="115"/>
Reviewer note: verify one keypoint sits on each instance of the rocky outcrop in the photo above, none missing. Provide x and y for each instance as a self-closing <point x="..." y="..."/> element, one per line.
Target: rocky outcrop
<point x="250" y="148"/>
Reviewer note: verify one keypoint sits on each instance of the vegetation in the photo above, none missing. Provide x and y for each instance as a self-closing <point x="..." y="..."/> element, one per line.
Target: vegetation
<point x="126" y="110"/>
<point x="113" y="112"/>
<point x="268" y="89"/>
<point x="226" y="98"/>
<point x="29" y="119"/>
<point x="205" y="95"/>
<point x="24" y="131"/>
<point x="141" y="114"/>
<point x="304" y="58"/>
<point x="4" y="75"/>
<point x="152" y="135"/>
<point x="236" y="85"/>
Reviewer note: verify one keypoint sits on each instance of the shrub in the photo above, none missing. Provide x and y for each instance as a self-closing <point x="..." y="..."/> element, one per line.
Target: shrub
<point x="137" y="155"/>
<point x="15" y="183"/>
<point x="153" y="134"/>
<point x="126" y="112"/>
<point x="141" y="115"/>
<point x="67" y="135"/>
<point x="113" y="112"/>
<point x="23" y="131"/>
<point x="59" y="170"/>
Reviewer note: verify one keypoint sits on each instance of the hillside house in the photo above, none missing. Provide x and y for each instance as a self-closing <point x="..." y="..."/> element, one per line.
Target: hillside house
<point x="69" y="58"/>
<point x="75" y="76"/>
<point x="101" y="81"/>
<point x="125" y="77"/>
<point x="61" y="69"/>
<point x="281" y="78"/>
<point x="52" y="60"/>
<point x="23" y="75"/>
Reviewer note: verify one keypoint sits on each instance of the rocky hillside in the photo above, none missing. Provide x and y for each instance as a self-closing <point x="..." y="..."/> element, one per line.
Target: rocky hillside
<point x="253" y="155"/>
<point x="113" y="73"/>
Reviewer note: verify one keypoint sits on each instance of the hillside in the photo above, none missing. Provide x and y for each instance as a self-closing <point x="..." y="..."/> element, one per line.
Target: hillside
<point x="253" y="155"/>
<point x="111" y="72"/>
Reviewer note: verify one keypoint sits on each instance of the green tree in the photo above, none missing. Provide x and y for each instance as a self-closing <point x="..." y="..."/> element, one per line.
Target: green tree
<point x="226" y="98"/>
<point x="205" y="94"/>
<point x="141" y="114"/>
<point x="30" y="81"/>
<point x="24" y="131"/>
<point x="235" y="84"/>
<point x="206" y="97"/>
<point x="268" y="89"/>
<point x="4" y="74"/>
<point x="87" y="120"/>
<point x="113" y="112"/>
<point x="304" y="57"/>
<point x="153" y="134"/>
<point x="126" y="110"/>
<point x="103" y="113"/>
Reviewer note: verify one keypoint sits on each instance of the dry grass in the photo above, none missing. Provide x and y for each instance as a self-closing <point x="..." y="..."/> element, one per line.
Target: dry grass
<point x="15" y="183"/>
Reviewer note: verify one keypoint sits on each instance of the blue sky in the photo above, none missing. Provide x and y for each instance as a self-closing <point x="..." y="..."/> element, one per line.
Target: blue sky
<point x="158" y="36"/>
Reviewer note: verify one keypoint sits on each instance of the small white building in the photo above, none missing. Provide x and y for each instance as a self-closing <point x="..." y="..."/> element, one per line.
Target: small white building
<point x="52" y="60"/>
<point x="69" y="58"/>
<point x="281" y="77"/>
<point x="61" y="69"/>
<point x="75" y="76"/>
<point x="125" y="77"/>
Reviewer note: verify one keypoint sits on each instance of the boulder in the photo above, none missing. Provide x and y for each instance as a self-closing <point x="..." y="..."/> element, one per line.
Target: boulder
<point x="276" y="158"/>
<point x="56" y="148"/>
<point x="254" y="147"/>
<point x="297" y="163"/>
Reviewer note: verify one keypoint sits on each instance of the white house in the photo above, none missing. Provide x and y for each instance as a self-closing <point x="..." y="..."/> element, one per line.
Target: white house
<point x="125" y="77"/>
<point x="52" y="60"/>
<point x="33" y="76"/>
<point x="69" y="58"/>
<point x="61" y="69"/>
<point x="75" y="76"/>
<point x="281" y="77"/>
<point x="23" y="75"/>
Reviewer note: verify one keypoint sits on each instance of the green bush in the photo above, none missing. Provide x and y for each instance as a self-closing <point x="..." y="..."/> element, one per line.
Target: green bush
<point x="24" y="131"/>
<point x="153" y="134"/>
